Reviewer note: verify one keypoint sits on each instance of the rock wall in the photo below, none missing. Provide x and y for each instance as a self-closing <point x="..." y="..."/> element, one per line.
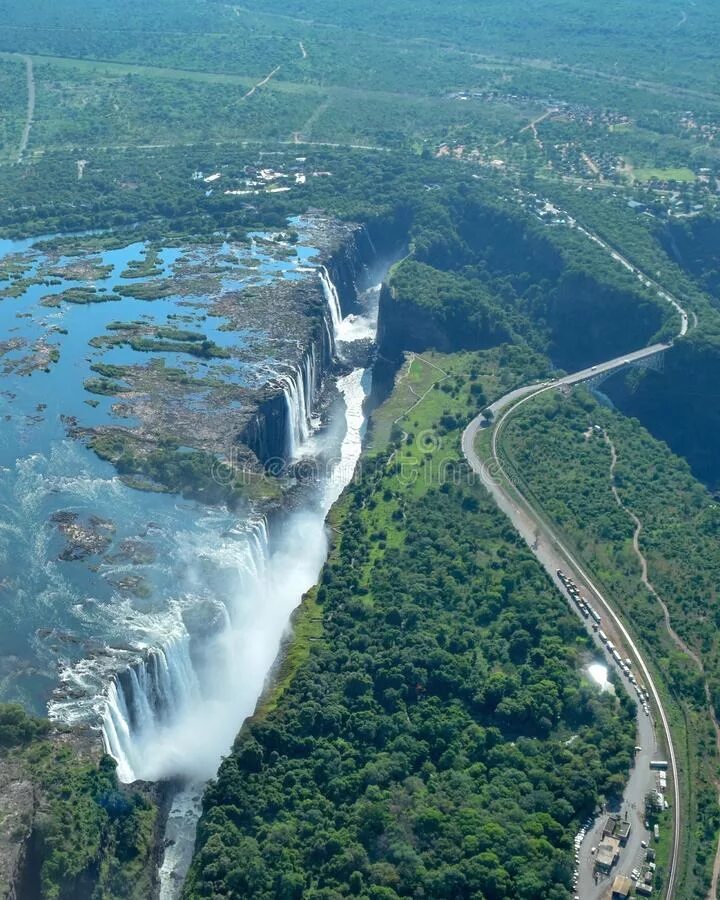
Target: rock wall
<point x="347" y="266"/>
<point x="266" y="429"/>
<point x="347" y="262"/>
<point x="19" y="804"/>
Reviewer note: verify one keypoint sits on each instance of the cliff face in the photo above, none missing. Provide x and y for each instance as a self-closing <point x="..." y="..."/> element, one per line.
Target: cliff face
<point x="404" y="326"/>
<point x="266" y="430"/>
<point x="589" y="321"/>
<point x="69" y="829"/>
<point x="679" y="404"/>
<point x="19" y="805"/>
<point x="440" y="320"/>
<point x="348" y="264"/>
<point x="352" y="251"/>
<point x="693" y="243"/>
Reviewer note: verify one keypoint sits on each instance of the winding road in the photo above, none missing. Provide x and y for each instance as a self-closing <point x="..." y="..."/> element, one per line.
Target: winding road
<point x="551" y="551"/>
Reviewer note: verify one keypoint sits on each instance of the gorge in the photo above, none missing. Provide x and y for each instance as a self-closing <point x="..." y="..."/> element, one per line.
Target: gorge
<point x="170" y="615"/>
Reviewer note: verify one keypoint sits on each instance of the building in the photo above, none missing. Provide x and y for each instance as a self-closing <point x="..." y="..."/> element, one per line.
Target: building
<point x="607" y="854"/>
<point x="622" y="832"/>
<point x="616" y="827"/>
<point x="621" y="887"/>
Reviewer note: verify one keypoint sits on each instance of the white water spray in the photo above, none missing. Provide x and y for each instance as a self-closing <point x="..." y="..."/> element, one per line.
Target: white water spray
<point x="188" y="738"/>
<point x="333" y="301"/>
<point x="352" y="327"/>
<point x="299" y="387"/>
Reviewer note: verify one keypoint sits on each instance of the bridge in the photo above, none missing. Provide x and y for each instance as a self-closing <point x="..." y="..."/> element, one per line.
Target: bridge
<point x="652" y="357"/>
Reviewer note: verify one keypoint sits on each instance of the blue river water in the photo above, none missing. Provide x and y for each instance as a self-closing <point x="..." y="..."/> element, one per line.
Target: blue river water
<point x="161" y="555"/>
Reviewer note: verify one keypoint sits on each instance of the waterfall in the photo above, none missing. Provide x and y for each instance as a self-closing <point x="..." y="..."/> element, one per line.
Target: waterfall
<point x="366" y="232"/>
<point x="146" y="694"/>
<point x="333" y="301"/>
<point x="148" y="721"/>
<point x="299" y="387"/>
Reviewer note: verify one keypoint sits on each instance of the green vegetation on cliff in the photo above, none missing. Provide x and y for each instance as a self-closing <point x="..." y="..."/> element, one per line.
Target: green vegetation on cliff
<point x="565" y="464"/>
<point x="85" y="836"/>
<point x="439" y="738"/>
<point x="482" y="270"/>
<point x="196" y="474"/>
<point x="678" y="404"/>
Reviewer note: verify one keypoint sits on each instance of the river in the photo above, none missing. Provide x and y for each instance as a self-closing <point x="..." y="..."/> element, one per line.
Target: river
<point x="162" y="635"/>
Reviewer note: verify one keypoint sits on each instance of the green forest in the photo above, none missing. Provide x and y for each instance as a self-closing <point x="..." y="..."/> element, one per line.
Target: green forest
<point x="429" y="730"/>
<point x="438" y="738"/>
<point x="86" y="836"/>
<point x="564" y="461"/>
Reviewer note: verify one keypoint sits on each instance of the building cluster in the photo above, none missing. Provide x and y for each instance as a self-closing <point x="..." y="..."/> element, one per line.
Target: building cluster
<point x="259" y="179"/>
<point x="582" y="113"/>
<point x="706" y="131"/>
<point x="616" y="832"/>
<point x="615" y="835"/>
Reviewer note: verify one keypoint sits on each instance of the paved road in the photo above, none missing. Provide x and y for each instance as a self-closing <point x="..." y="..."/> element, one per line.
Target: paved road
<point x="553" y="554"/>
<point x="645" y="280"/>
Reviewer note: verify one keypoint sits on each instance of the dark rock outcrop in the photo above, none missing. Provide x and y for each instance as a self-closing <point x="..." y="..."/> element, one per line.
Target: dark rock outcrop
<point x="266" y="430"/>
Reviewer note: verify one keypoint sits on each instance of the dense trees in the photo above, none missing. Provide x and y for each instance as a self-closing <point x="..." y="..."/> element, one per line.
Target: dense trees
<point x="89" y="837"/>
<point x="18" y="727"/>
<point x="482" y="272"/>
<point x="566" y="463"/>
<point x="423" y="750"/>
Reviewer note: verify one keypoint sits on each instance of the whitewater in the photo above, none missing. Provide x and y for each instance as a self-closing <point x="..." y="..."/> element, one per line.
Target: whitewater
<point x="162" y="638"/>
<point x="203" y="714"/>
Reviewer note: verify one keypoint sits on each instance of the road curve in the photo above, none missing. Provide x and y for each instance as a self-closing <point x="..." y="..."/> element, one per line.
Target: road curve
<point x="553" y="554"/>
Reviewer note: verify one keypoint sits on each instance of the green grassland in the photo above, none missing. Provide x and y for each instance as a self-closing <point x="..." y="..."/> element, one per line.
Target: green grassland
<point x="346" y="75"/>
<point x="655" y="174"/>
<point x="411" y="740"/>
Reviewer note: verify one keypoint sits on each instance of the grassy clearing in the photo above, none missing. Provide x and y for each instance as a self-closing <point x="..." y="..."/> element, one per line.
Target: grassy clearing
<point x="106" y="68"/>
<point x="415" y="377"/>
<point x="681" y="174"/>
<point x="423" y="375"/>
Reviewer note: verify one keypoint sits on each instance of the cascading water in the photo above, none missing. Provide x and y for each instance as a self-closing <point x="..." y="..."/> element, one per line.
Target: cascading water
<point x="152" y="693"/>
<point x="156" y="730"/>
<point x="299" y="387"/>
<point x="159" y="706"/>
<point x="333" y="301"/>
<point x="370" y="241"/>
<point x="352" y="327"/>
<point x="151" y="699"/>
<point x="165" y="631"/>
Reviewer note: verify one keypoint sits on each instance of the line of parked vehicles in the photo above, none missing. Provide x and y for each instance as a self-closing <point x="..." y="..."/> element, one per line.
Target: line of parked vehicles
<point x="579" y="838"/>
<point x="588" y="612"/>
